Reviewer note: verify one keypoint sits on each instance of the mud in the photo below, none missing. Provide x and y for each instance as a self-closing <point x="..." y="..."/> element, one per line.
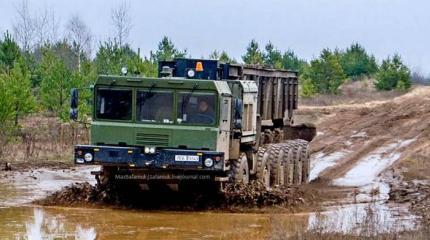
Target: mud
<point x="416" y="194"/>
<point x="235" y="197"/>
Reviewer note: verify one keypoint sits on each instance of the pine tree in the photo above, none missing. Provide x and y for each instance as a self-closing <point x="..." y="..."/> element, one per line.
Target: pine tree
<point x="18" y="84"/>
<point x="167" y="51"/>
<point x="222" y="57"/>
<point x="253" y="54"/>
<point x="325" y="73"/>
<point x="56" y="83"/>
<point x="356" y="62"/>
<point x="291" y="61"/>
<point x="9" y="52"/>
<point x="393" y="74"/>
<point x="273" y="56"/>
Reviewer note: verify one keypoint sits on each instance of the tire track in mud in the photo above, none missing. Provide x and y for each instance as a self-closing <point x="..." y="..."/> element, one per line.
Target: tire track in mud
<point x="360" y="130"/>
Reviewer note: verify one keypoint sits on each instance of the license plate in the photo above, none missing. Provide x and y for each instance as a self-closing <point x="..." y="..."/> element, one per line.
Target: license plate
<point x="186" y="158"/>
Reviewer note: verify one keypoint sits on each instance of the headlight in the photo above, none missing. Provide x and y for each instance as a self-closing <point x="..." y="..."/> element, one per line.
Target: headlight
<point x="88" y="157"/>
<point x="209" y="162"/>
<point x="124" y="71"/>
<point x="150" y="150"/>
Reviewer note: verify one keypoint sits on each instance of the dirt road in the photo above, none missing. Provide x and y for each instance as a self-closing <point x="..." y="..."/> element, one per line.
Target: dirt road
<point x="361" y="148"/>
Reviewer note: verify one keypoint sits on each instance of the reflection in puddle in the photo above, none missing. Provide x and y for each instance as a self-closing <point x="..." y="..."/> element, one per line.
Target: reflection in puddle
<point x="375" y="217"/>
<point x="49" y="227"/>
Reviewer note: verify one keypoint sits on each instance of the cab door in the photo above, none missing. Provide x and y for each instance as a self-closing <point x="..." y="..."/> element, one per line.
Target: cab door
<point x="223" y="142"/>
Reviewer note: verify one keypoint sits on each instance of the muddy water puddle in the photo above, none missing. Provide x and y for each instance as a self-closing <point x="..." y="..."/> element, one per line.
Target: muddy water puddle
<point x="76" y="223"/>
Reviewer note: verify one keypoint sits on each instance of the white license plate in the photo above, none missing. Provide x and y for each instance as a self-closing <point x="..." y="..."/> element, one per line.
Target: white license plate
<point x="186" y="158"/>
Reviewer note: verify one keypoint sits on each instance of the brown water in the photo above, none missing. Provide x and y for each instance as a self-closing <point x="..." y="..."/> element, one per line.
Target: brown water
<point x="50" y="223"/>
<point x="21" y="220"/>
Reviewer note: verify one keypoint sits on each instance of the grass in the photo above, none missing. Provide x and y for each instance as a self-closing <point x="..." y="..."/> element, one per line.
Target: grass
<point x="351" y="92"/>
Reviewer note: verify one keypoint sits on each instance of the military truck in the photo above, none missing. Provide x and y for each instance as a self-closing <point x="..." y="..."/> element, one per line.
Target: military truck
<point x="199" y="121"/>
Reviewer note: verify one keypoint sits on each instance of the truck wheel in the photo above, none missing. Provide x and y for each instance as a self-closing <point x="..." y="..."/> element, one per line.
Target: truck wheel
<point x="306" y="161"/>
<point x="297" y="177"/>
<point x="240" y="170"/>
<point x="264" y="168"/>
<point x="277" y="165"/>
<point x="289" y="164"/>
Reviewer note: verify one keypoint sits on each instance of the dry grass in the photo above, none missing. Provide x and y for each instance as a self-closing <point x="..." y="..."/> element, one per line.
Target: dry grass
<point x="42" y="140"/>
<point x="351" y="92"/>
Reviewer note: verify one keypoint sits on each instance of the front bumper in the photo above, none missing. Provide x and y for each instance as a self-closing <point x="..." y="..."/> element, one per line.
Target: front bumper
<point x="134" y="157"/>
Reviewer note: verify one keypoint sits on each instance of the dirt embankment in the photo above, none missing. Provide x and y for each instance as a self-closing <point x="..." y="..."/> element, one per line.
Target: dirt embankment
<point x="362" y="128"/>
<point x="384" y="140"/>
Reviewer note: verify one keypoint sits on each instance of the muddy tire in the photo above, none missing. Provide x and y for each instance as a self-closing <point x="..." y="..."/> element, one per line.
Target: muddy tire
<point x="240" y="170"/>
<point x="277" y="164"/>
<point x="288" y="164"/>
<point x="297" y="160"/>
<point x="264" y="167"/>
<point x="306" y="160"/>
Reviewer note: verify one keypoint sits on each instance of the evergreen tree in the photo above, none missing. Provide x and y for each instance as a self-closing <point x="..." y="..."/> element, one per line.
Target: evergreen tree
<point x="291" y="61"/>
<point x="253" y="54"/>
<point x="356" y="62"/>
<point x="9" y="52"/>
<point x="393" y="74"/>
<point x="19" y="86"/>
<point x="326" y="73"/>
<point x="222" y="57"/>
<point x="6" y="104"/>
<point x="273" y="56"/>
<point x="111" y="57"/>
<point x="56" y="83"/>
<point x="167" y="51"/>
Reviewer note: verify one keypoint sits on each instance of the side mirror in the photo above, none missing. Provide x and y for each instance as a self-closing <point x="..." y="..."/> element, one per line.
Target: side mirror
<point x="237" y="113"/>
<point x="74" y="102"/>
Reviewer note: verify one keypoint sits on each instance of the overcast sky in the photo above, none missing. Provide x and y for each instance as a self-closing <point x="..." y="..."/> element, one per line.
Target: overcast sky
<point x="384" y="27"/>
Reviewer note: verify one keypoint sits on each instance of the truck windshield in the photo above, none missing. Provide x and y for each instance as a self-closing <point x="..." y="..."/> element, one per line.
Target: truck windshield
<point x="113" y="104"/>
<point x="196" y="108"/>
<point x="155" y="106"/>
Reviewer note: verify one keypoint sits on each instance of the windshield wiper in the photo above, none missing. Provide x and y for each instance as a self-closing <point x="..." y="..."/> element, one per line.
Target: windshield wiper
<point x="187" y="98"/>
<point x="147" y="95"/>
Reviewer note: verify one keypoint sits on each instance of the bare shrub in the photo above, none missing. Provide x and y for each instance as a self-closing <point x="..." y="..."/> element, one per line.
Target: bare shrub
<point x="42" y="139"/>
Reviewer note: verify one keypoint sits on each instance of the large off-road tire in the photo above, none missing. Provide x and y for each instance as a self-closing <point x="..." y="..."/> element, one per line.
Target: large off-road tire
<point x="297" y="175"/>
<point x="306" y="160"/>
<point x="240" y="170"/>
<point x="277" y="164"/>
<point x="264" y="167"/>
<point x="288" y="163"/>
